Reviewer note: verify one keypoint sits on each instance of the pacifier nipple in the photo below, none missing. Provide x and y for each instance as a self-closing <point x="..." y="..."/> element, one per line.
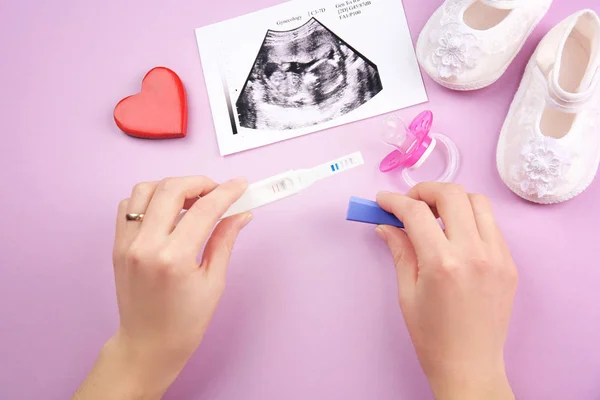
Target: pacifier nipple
<point x="394" y="132"/>
<point x="413" y="145"/>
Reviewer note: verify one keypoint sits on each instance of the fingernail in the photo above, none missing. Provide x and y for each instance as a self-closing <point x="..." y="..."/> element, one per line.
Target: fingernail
<point x="246" y="220"/>
<point x="239" y="180"/>
<point x="382" y="193"/>
<point x="380" y="232"/>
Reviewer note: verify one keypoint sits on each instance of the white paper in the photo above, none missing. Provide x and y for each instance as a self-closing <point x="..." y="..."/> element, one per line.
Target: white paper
<point x="305" y="66"/>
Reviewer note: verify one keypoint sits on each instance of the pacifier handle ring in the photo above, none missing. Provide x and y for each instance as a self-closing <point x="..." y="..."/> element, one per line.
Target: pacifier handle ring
<point x="451" y="167"/>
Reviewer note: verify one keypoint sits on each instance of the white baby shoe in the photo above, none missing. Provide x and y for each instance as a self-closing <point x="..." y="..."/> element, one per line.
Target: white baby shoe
<point x="549" y="148"/>
<point x="469" y="44"/>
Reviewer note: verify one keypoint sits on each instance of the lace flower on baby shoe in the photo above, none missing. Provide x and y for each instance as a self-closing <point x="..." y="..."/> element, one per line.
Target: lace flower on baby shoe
<point x="543" y="162"/>
<point x="456" y="51"/>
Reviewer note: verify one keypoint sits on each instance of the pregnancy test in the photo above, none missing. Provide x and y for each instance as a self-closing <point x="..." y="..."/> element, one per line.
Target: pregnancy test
<point x="289" y="183"/>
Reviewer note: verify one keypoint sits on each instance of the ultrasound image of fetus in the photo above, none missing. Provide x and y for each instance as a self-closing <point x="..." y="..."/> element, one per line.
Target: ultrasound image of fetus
<point x="305" y="77"/>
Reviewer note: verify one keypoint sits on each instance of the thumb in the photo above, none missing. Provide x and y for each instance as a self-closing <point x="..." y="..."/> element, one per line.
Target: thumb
<point x="220" y="245"/>
<point x="405" y="258"/>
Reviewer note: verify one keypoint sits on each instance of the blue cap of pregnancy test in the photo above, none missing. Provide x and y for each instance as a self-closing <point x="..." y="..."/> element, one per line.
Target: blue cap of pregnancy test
<point x="369" y="212"/>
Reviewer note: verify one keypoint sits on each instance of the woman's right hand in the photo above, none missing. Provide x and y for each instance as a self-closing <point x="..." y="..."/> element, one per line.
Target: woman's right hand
<point x="456" y="288"/>
<point x="166" y="297"/>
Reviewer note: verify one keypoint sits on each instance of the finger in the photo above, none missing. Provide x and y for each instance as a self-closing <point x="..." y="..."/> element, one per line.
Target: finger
<point x="220" y="245"/>
<point x="169" y="199"/>
<point x="141" y="194"/>
<point x="186" y="206"/>
<point x="199" y="221"/>
<point x="485" y="220"/>
<point x="452" y="203"/>
<point x="404" y="256"/>
<point x="119" y="245"/>
<point x="421" y="226"/>
<point x="190" y="202"/>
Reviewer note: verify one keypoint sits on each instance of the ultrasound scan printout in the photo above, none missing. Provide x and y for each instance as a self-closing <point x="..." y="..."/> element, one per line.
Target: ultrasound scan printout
<point x="306" y="66"/>
<point x="305" y="77"/>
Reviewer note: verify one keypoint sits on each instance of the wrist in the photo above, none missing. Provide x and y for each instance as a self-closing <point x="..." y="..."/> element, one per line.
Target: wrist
<point x="134" y="373"/>
<point x="475" y="385"/>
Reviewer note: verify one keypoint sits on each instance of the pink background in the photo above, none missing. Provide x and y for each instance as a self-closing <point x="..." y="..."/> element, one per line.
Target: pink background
<point x="310" y="309"/>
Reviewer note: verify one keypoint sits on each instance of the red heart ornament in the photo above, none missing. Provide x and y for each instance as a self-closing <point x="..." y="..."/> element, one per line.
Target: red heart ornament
<point x="159" y="111"/>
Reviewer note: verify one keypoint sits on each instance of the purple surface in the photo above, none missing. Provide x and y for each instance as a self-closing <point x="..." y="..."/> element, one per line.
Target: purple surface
<point x="310" y="310"/>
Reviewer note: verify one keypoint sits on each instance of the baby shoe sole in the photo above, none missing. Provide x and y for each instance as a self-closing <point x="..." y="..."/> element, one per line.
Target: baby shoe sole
<point x="558" y="200"/>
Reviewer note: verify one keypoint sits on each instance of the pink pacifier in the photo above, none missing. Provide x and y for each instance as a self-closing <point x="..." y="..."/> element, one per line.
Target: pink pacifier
<point x="414" y="144"/>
